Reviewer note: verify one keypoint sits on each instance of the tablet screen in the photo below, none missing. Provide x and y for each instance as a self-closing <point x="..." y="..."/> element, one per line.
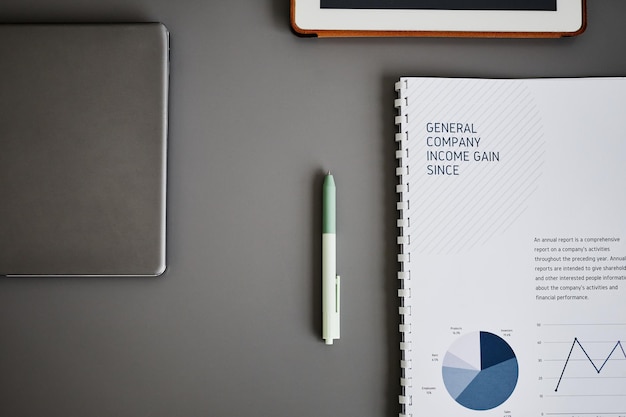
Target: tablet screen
<point x="441" y="4"/>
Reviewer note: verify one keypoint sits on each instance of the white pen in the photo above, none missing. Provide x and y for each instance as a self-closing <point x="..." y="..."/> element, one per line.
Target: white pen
<point x="330" y="279"/>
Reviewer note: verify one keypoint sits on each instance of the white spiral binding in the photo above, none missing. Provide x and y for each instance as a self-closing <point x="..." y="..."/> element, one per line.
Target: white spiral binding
<point x="403" y="240"/>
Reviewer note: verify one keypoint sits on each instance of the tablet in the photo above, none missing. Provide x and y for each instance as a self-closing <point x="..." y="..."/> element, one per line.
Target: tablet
<point x="480" y="18"/>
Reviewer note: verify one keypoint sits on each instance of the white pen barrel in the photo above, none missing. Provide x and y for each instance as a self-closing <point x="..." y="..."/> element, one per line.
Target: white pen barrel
<point x="330" y="288"/>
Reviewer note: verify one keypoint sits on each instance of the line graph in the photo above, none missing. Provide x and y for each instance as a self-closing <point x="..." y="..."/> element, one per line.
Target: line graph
<point x="618" y="347"/>
<point x="581" y="368"/>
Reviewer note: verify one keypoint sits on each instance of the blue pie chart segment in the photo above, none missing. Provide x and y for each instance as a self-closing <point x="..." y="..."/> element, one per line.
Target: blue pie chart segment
<point x="480" y="371"/>
<point x="458" y="379"/>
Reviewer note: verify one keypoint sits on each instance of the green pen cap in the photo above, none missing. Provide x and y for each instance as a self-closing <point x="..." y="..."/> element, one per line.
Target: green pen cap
<point x="329" y="224"/>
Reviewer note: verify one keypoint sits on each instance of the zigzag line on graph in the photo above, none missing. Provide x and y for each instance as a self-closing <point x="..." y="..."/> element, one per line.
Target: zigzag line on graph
<point x="598" y="369"/>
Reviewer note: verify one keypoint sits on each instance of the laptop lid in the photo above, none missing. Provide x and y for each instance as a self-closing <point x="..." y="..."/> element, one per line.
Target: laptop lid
<point x="83" y="142"/>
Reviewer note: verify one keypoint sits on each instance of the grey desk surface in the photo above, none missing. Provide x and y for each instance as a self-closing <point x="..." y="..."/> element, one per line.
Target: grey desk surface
<point x="257" y="115"/>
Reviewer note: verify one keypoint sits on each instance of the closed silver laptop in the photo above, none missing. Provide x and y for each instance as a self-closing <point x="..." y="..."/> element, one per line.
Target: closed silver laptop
<point x="83" y="149"/>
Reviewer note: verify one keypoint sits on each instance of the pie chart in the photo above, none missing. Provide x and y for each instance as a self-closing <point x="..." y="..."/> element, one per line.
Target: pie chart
<point x="480" y="370"/>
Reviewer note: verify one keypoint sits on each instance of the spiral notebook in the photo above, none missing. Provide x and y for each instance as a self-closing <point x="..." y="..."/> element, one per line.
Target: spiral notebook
<point x="512" y="232"/>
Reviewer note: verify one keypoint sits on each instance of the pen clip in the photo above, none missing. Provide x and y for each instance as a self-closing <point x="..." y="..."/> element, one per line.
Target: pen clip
<point x="332" y="317"/>
<point x="337" y="296"/>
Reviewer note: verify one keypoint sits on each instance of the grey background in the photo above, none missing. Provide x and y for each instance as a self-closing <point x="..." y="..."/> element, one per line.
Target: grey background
<point x="257" y="116"/>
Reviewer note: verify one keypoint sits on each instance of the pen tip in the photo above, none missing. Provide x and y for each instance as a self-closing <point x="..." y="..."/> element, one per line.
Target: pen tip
<point x="328" y="172"/>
